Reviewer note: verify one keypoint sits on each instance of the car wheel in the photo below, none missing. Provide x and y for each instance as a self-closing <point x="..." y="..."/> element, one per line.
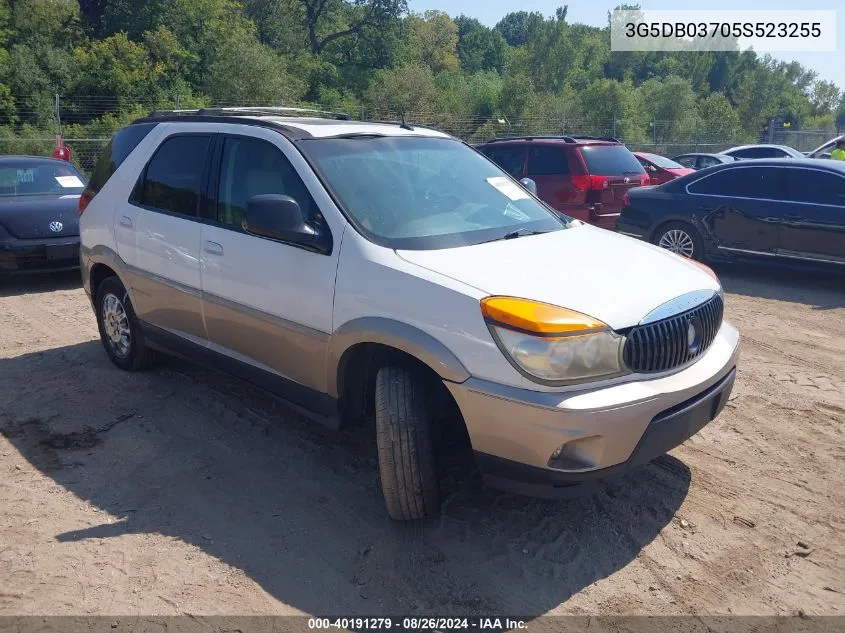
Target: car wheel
<point x="119" y="328"/>
<point x="405" y="446"/>
<point x="681" y="239"/>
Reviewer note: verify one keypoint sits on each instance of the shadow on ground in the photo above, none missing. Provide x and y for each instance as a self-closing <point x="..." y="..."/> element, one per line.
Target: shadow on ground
<point x="821" y="289"/>
<point x="13" y="285"/>
<point x="187" y="453"/>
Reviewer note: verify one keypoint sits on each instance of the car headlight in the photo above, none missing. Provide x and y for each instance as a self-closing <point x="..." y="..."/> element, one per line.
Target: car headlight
<point x="551" y="344"/>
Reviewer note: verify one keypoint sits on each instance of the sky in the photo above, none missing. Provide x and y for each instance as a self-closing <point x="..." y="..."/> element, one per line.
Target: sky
<point x="830" y="66"/>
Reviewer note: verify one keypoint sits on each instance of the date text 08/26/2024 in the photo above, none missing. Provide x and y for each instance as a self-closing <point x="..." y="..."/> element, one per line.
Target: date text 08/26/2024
<point x="417" y="623"/>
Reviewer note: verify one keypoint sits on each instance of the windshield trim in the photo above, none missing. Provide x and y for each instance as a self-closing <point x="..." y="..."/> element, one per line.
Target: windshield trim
<point x="426" y="243"/>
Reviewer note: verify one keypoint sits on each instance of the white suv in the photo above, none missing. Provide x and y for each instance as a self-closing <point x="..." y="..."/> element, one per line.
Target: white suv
<point x="385" y="270"/>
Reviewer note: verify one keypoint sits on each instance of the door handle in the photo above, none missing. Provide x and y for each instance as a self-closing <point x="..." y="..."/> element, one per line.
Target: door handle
<point x="127" y="222"/>
<point x="213" y="248"/>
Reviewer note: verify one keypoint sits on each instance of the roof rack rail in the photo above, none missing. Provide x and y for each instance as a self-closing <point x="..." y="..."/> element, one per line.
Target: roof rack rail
<point x="249" y="111"/>
<point x="557" y="137"/>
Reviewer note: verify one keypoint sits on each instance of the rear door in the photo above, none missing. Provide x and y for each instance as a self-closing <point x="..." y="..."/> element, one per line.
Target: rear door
<point x="742" y="207"/>
<point x="614" y="170"/>
<point x="160" y="224"/>
<point x="548" y="166"/>
<point x="814" y="225"/>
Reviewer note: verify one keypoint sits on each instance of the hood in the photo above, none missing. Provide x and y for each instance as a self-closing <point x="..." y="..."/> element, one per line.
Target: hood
<point x="30" y="217"/>
<point x="608" y="276"/>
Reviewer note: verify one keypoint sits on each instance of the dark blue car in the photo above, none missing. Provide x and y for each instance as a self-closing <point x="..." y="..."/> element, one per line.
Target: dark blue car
<point x="39" y="218"/>
<point x="789" y="210"/>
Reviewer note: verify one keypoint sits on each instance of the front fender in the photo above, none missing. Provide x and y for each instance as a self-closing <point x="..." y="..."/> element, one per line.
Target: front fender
<point x="398" y="335"/>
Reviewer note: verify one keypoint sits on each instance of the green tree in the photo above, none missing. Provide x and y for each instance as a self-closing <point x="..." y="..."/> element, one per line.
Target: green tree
<point x="518" y="27"/>
<point x="433" y="41"/>
<point x="409" y="88"/>
<point x="825" y="97"/>
<point x="480" y="48"/>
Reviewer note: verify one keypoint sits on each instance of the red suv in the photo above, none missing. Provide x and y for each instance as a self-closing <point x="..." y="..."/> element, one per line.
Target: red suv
<point x="584" y="177"/>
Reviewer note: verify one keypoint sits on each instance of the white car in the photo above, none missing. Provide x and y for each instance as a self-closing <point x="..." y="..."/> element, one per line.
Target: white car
<point x="746" y="152"/>
<point x="372" y="270"/>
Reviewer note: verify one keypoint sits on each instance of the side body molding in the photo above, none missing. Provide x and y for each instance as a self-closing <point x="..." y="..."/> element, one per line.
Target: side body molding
<point x="396" y="334"/>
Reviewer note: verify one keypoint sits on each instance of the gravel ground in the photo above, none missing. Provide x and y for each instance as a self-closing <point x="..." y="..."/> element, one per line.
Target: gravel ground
<point x="184" y="491"/>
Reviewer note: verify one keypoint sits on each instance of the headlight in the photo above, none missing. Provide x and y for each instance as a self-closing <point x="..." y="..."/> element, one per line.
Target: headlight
<point x="552" y="344"/>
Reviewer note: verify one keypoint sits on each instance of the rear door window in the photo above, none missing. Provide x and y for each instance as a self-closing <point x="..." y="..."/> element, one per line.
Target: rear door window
<point x="816" y="187"/>
<point x="758" y="152"/>
<point x="610" y="160"/>
<point x="767" y="183"/>
<point x="686" y="161"/>
<point x="510" y="158"/>
<point x="545" y="160"/>
<point x="173" y="178"/>
<point x="707" y="161"/>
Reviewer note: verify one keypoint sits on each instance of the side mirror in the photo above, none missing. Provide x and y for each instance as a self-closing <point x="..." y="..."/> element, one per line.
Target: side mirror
<point x="530" y="185"/>
<point x="280" y="218"/>
<point x="825" y="155"/>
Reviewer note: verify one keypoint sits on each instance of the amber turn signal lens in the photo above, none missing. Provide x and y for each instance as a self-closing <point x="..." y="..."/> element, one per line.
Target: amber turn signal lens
<point x="536" y="317"/>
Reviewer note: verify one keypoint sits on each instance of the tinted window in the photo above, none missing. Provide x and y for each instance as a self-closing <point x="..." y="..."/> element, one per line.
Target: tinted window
<point x="172" y="180"/>
<point x="744" y="182"/>
<point x="686" y="161"/>
<point x="32" y="178"/>
<point x="759" y="152"/>
<point x="544" y="160"/>
<point x="610" y="160"/>
<point x="116" y="152"/>
<point x="253" y="167"/>
<point x="810" y="185"/>
<point x="510" y="159"/>
<point x="707" y="161"/>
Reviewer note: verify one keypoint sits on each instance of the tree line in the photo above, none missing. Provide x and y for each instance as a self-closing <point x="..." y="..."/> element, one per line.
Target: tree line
<point x="112" y="60"/>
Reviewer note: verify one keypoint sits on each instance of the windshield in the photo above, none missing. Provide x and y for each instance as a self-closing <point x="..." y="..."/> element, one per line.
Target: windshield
<point x="610" y="160"/>
<point x="662" y="161"/>
<point x="34" y="178"/>
<point x="421" y="193"/>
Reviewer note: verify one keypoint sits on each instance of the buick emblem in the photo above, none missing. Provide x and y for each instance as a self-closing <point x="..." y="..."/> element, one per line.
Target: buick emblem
<point x="693" y="335"/>
<point x="56" y="227"/>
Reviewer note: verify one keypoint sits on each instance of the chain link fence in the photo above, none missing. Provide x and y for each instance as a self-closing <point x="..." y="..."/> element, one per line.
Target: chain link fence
<point x="88" y="122"/>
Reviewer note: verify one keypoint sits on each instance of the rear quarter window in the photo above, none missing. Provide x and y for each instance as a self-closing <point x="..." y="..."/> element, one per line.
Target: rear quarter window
<point x="120" y="146"/>
<point x="610" y="160"/>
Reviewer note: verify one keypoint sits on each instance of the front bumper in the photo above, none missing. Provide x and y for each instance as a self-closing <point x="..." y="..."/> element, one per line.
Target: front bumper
<point x="40" y="255"/>
<point x="601" y="432"/>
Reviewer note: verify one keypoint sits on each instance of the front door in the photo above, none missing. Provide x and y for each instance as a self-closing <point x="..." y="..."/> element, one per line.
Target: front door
<point x="742" y="208"/>
<point x="266" y="303"/>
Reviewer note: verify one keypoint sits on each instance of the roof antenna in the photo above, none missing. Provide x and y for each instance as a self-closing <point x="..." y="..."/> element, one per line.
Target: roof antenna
<point x="404" y="125"/>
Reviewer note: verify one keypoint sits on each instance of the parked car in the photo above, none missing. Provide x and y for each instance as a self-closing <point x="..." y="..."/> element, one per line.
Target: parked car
<point x="699" y="160"/>
<point x="661" y="169"/>
<point x="389" y="272"/>
<point x="582" y="177"/>
<point x="824" y="150"/>
<point x="768" y="209"/>
<point x="745" y="152"/>
<point x="39" y="225"/>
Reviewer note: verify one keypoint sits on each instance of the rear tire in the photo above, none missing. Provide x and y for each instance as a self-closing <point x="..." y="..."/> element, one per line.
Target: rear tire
<point x="405" y="446"/>
<point x="120" y="331"/>
<point x="680" y="238"/>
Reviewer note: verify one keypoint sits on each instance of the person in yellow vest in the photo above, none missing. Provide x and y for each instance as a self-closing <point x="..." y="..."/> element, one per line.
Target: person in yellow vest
<point x="839" y="151"/>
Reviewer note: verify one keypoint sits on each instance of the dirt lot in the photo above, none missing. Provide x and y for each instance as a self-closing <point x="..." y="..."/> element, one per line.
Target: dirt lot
<point x="183" y="491"/>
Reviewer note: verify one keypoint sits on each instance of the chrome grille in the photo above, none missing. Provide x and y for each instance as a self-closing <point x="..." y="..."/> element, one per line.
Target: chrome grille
<point x="665" y="344"/>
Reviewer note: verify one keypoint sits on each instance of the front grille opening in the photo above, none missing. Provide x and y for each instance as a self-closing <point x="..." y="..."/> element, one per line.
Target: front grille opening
<point x="675" y="341"/>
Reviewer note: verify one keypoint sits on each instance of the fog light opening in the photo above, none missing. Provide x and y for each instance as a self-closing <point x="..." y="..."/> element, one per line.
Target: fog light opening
<point x="578" y="455"/>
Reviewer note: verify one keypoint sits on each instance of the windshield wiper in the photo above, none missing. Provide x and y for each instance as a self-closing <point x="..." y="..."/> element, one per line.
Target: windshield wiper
<point x="520" y="232"/>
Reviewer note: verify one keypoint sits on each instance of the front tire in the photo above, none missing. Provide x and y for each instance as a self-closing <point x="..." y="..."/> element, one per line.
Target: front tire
<point x="120" y="331"/>
<point x="405" y="446"/>
<point x="680" y="238"/>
